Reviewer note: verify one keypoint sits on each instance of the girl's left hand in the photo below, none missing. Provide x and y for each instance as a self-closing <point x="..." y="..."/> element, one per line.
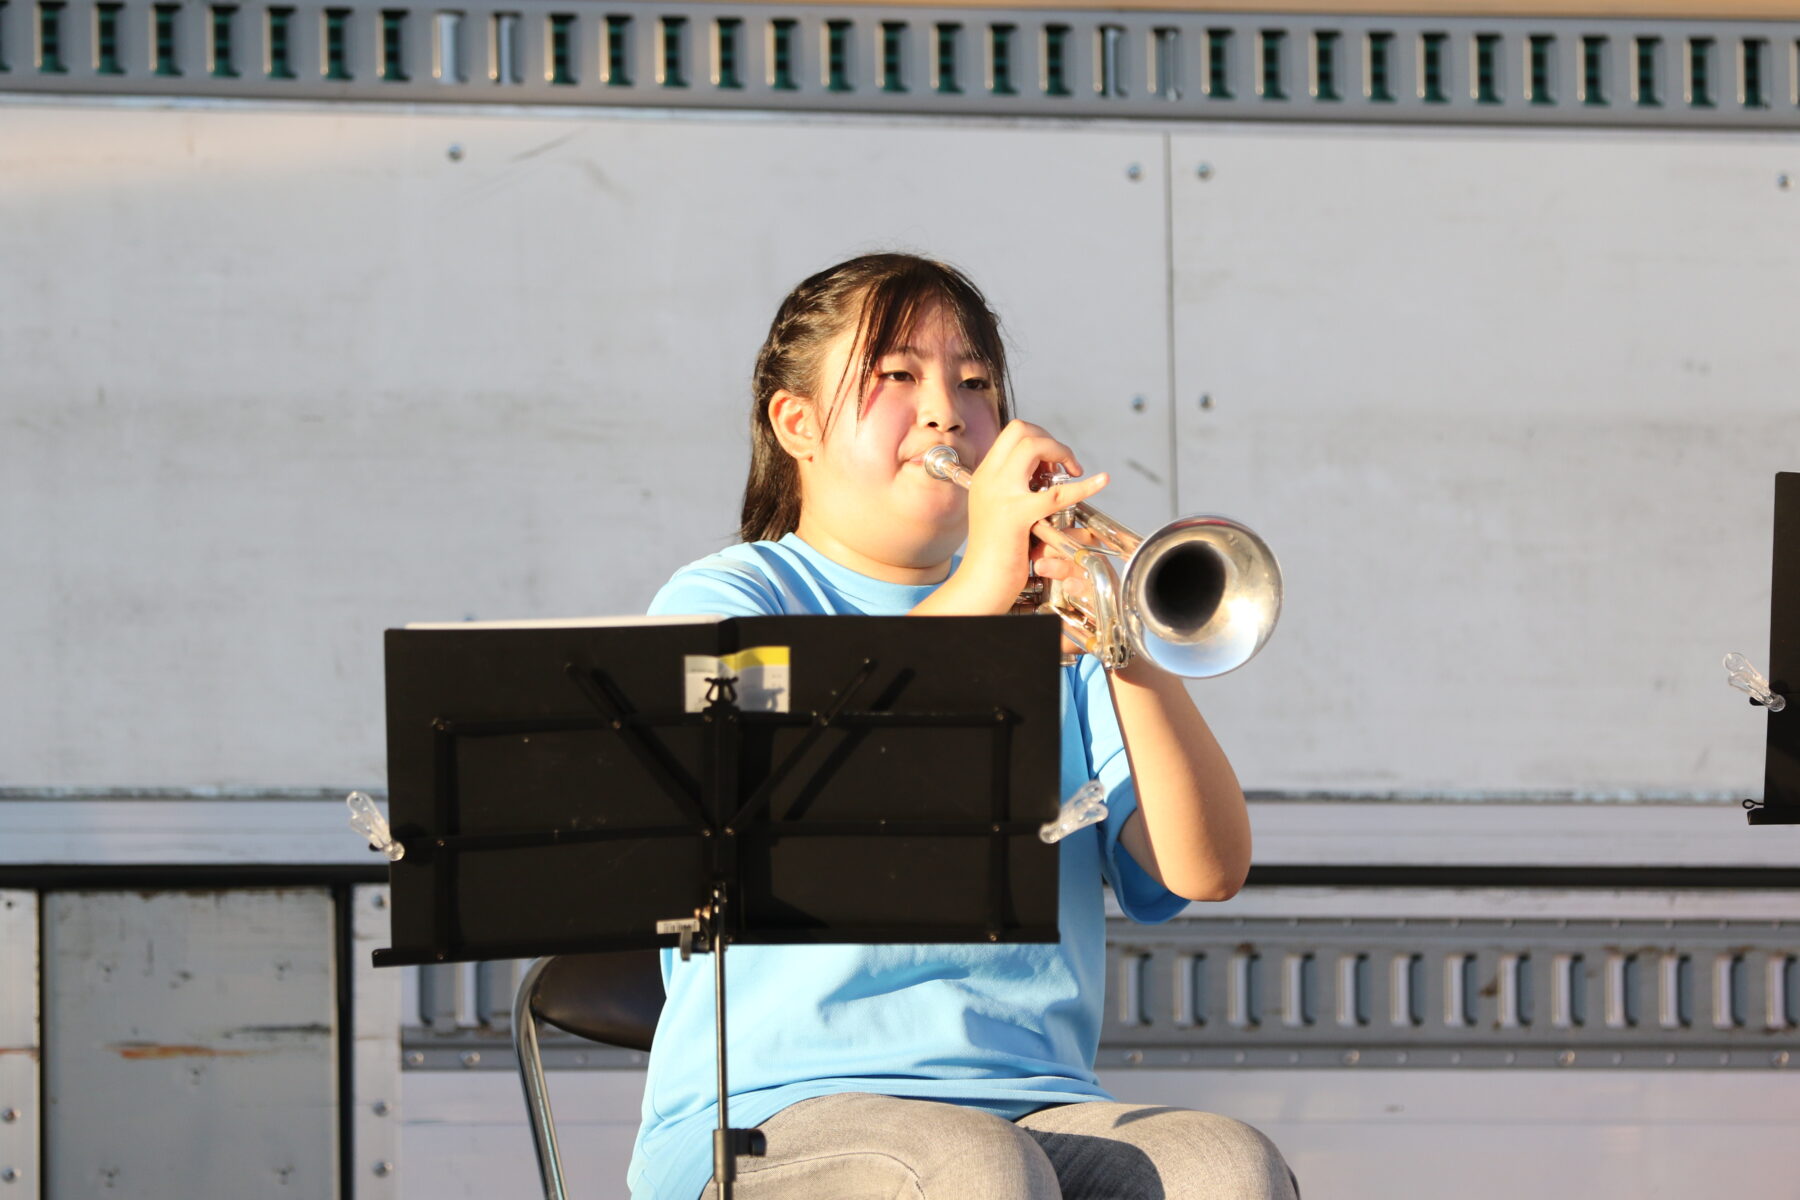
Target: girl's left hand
<point x="1052" y="565"/>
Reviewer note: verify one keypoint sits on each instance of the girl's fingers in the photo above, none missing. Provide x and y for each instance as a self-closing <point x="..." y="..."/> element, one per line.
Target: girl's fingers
<point x="1022" y="446"/>
<point x="1055" y="566"/>
<point x="1065" y="495"/>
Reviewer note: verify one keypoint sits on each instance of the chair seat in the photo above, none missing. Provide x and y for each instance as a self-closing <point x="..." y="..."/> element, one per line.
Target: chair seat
<point x="615" y="997"/>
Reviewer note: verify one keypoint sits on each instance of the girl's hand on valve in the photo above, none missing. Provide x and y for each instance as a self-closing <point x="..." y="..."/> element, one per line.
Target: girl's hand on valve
<point x="1003" y="508"/>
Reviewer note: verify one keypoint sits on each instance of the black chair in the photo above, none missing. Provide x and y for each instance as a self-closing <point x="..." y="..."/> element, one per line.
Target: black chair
<point x="613" y="998"/>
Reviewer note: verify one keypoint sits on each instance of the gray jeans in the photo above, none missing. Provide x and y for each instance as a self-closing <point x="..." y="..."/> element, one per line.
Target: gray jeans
<point x="857" y="1146"/>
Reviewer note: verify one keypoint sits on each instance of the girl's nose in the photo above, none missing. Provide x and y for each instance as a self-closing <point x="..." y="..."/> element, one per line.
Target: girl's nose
<point x="937" y="410"/>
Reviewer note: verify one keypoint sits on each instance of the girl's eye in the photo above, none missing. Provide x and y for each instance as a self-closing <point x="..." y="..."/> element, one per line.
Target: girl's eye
<point x="897" y="376"/>
<point x="976" y="383"/>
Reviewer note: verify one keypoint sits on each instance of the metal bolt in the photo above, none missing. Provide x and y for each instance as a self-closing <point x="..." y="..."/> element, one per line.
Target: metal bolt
<point x="380" y="1108"/>
<point x="1204" y="171"/>
<point x="383" y="1169"/>
<point x="9" y="1115"/>
<point x="455" y="152"/>
<point x="1784" y="181"/>
<point x="380" y="900"/>
<point x="1566" y="1059"/>
<point x="9" y="1174"/>
<point x="1351" y="1057"/>
<point x="1139" y="404"/>
<point x="1206" y="400"/>
<point x="1134" y="172"/>
<point x="1135" y="1057"/>
<point x="471" y="1058"/>
<point x="415" y="1058"/>
<point x="1778" y="1059"/>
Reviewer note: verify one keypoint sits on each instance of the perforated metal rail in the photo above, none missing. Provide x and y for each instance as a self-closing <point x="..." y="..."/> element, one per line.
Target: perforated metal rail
<point x="952" y="60"/>
<point x="1316" y="992"/>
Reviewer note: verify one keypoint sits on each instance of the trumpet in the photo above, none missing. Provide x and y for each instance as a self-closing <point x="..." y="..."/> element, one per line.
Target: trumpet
<point x="1197" y="598"/>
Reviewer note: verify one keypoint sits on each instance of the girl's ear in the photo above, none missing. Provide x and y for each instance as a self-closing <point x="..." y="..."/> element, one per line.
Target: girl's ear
<point x="796" y="424"/>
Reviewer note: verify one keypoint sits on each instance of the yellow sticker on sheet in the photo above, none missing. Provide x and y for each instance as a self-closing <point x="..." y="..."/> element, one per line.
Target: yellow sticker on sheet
<point x="755" y="679"/>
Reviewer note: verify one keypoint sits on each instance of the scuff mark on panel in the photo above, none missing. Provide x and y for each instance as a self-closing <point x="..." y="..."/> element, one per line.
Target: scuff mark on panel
<point x="143" y="1050"/>
<point x="1141" y="469"/>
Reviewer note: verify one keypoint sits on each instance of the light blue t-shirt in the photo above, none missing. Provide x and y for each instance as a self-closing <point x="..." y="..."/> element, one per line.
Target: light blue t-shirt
<point x="1008" y="1029"/>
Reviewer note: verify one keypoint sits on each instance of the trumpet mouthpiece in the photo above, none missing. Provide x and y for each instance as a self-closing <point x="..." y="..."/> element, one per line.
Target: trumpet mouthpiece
<point x="941" y="462"/>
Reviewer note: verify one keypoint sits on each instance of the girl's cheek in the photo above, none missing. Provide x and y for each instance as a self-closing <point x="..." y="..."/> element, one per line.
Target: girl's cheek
<point x="983" y="428"/>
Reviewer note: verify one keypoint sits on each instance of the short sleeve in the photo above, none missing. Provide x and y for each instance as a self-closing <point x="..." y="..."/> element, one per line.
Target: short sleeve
<point x="1140" y="897"/>
<point x="716" y="586"/>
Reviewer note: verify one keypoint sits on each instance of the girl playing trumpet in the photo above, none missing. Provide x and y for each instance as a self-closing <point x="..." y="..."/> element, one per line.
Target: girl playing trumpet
<point x="941" y="1072"/>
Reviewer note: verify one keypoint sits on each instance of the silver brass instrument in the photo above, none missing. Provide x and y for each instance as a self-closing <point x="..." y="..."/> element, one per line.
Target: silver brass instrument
<point x="1198" y="597"/>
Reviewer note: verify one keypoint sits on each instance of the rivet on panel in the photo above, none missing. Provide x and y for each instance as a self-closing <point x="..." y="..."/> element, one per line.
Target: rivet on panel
<point x="455" y="153"/>
<point x="1139" y="404"/>
<point x="380" y="900"/>
<point x="1784" y="181"/>
<point x="471" y="1058"/>
<point x="415" y="1058"/>
<point x="1206" y="400"/>
<point x="1566" y="1058"/>
<point x="1203" y="171"/>
<point x="9" y="1174"/>
<point x="9" y="1115"/>
<point x="1134" y="172"/>
<point x="1778" y="1059"/>
<point x="380" y="1108"/>
<point x="383" y="1169"/>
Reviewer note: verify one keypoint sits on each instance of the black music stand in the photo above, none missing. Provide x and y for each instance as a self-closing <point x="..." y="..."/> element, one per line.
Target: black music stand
<point x="1781" y="764"/>
<point x="566" y="789"/>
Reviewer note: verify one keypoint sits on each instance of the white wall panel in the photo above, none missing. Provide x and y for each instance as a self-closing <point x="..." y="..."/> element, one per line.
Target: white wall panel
<point x="190" y="1044"/>
<point x="1508" y="405"/>
<point x="21" y="1046"/>
<point x="278" y="378"/>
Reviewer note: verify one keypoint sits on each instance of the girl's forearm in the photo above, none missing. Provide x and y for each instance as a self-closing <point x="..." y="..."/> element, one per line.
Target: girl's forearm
<point x="969" y="592"/>
<point x="1191" y="831"/>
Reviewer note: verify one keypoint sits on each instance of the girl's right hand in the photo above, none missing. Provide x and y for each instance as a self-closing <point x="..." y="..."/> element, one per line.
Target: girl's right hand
<point x="1003" y="508"/>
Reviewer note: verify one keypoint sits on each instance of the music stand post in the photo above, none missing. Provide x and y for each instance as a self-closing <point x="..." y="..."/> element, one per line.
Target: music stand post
<point x="1780" y="804"/>
<point x="531" y="781"/>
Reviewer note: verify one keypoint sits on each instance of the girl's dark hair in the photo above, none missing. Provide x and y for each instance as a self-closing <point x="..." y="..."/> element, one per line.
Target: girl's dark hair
<point x="880" y="296"/>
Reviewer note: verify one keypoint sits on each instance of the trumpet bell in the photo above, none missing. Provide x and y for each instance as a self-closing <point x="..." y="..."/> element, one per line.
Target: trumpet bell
<point x="1201" y="596"/>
